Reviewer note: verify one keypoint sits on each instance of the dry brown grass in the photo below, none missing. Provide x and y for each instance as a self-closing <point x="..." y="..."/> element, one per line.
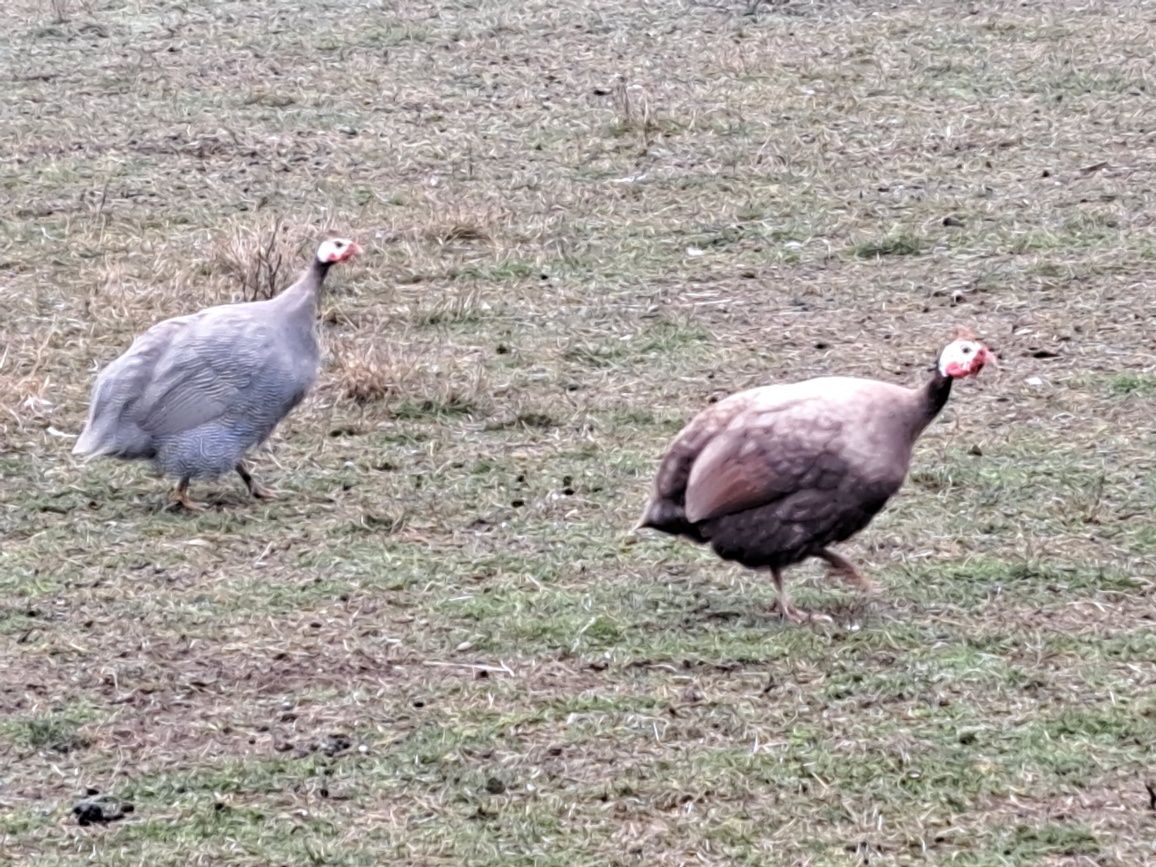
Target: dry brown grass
<point x="368" y="376"/>
<point x="264" y="260"/>
<point x="23" y="401"/>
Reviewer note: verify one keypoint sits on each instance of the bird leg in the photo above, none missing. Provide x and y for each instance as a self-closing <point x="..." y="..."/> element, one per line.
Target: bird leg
<point x="180" y="497"/>
<point x="255" y="488"/>
<point x="844" y="567"/>
<point x="788" y="611"/>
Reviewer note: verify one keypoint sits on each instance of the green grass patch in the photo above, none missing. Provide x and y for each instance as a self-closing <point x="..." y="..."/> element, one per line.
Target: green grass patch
<point x="896" y="244"/>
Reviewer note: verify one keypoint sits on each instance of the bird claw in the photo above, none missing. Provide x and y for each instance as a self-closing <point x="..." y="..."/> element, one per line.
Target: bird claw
<point x="858" y="580"/>
<point x="795" y="615"/>
<point x="255" y="488"/>
<point x="263" y="493"/>
<point x="842" y="567"/>
<point x="182" y="501"/>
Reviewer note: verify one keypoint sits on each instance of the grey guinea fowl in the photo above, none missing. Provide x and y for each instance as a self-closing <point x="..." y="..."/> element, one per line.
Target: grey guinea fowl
<point x="771" y="476"/>
<point x="194" y="393"/>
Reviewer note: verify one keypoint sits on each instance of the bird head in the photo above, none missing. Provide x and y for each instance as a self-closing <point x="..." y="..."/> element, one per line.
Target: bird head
<point x="963" y="357"/>
<point x="336" y="250"/>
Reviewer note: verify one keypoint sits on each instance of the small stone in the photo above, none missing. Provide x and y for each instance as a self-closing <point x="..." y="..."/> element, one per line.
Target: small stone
<point x="334" y="744"/>
<point x="100" y="810"/>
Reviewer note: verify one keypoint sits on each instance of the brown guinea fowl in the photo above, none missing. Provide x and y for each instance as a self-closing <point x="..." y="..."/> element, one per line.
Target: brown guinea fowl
<point x="771" y="476"/>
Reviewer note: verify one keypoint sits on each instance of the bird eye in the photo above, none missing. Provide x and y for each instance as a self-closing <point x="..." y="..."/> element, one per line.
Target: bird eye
<point x="967" y="350"/>
<point x="338" y="244"/>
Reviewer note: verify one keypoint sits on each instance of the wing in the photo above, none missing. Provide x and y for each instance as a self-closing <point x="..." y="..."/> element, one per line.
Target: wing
<point x="806" y="454"/>
<point x="109" y="429"/>
<point x="664" y="510"/>
<point x="202" y="371"/>
<point x="762" y="458"/>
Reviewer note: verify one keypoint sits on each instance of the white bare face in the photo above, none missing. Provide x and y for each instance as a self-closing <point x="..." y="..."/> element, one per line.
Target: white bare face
<point x="963" y="358"/>
<point x="336" y="250"/>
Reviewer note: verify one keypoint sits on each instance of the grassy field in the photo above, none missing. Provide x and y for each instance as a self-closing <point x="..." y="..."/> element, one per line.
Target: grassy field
<point x="582" y="221"/>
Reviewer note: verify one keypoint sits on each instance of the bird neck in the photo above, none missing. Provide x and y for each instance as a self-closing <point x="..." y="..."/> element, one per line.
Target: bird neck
<point x="935" y="394"/>
<point x="305" y="293"/>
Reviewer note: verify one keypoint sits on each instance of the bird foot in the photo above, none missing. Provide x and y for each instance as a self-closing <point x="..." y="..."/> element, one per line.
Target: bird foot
<point x="848" y="571"/>
<point x="180" y="499"/>
<point x="858" y="580"/>
<point x="795" y="615"/>
<point x="255" y="488"/>
<point x="262" y="493"/>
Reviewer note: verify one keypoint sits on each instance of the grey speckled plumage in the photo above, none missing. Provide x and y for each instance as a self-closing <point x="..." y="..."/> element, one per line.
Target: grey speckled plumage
<point x="771" y="476"/>
<point x="193" y="394"/>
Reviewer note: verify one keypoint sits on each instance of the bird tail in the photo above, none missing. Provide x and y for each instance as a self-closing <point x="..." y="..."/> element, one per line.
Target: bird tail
<point x="646" y="519"/>
<point x="85" y="447"/>
<point x="93" y="443"/>
<point x="665" y="516"/>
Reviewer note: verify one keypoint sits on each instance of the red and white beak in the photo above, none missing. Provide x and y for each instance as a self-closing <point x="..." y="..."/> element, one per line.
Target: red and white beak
<point x="984" y="357"/>
<point x="351" y="250"/>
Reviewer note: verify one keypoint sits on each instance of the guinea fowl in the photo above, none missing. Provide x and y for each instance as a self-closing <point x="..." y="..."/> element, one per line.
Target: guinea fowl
<point x="771" y="476"/>
<point x="194" y="393"/>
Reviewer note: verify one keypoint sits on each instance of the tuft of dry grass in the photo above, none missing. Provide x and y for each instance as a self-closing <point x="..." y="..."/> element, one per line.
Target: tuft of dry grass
<point x="23" y="401"/>
<point x="61" y="11"/>
<point x="635" y="112"/>
<point x="261" y="258"/>
<point x="460" y="224"/>
<point x="410" y="383"/>
<point x="460" y="304"/>
<point x="368" y="375"/>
